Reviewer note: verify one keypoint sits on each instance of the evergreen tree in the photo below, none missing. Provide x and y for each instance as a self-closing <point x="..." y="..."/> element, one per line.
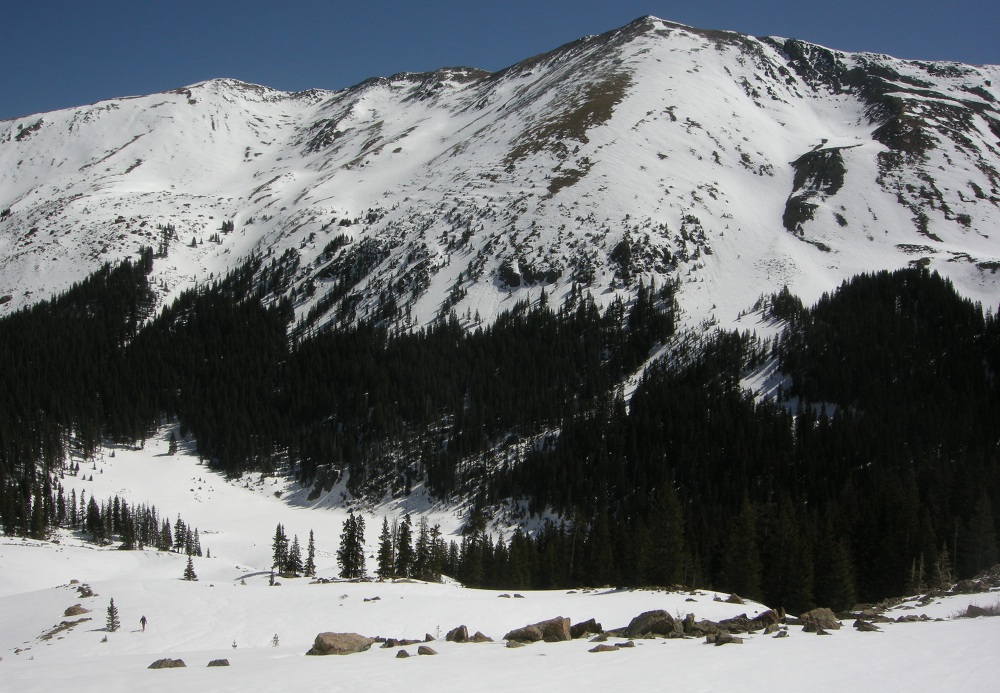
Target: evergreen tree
<point x="386" y="558"/>
<point x="351" y="554"/>
<point x="189" y="573"/>
<point x="294" y="563"/>
<point x="279" y="547"/>
<point x="112" y="623"/>
<point x="310" y="566"/>
<point x="404" y="549"/>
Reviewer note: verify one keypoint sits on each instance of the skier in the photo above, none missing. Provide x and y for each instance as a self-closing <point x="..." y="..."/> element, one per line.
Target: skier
<point x="142" y="622"/>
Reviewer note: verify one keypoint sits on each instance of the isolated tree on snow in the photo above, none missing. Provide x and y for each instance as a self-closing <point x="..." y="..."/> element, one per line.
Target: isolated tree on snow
<point x="113" y="623"/>
<point x="310" y="566"/>
<point x="189" y="573"/>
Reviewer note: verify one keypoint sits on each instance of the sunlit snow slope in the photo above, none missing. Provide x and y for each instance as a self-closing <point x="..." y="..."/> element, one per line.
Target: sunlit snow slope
<point x="731" y="164"/>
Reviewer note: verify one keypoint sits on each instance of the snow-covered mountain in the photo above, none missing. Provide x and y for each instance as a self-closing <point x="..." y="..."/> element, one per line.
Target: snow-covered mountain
<point x="734" y="165"/>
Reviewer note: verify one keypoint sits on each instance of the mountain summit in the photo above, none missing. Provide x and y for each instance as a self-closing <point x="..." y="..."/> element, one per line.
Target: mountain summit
<point x="728" y="164"/>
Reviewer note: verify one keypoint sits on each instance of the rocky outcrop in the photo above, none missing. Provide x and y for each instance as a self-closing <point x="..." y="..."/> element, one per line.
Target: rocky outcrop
<point x="340" y="644"/>
<point x="219" y="663"/>
<point x="76" y="610"/>
<point x="426" y="650"/>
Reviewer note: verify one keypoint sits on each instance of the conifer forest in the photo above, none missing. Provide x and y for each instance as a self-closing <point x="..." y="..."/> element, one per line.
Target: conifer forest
<point x="869" y="469"/>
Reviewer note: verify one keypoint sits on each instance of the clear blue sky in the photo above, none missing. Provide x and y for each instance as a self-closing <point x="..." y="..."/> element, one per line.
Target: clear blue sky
<point x="62" y="53"/>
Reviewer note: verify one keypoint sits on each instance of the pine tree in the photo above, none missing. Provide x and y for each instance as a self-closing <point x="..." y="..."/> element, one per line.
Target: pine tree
<point x="279" y="547"/>
<point x="294" y="565"/>
<point x="189" y="573"/>
<point x="310" y="567"/>
<point x="113" y="623"/>
<point x="404" y="549"/>
<point x="386" y="558"/>
<point x="351" y="554"/>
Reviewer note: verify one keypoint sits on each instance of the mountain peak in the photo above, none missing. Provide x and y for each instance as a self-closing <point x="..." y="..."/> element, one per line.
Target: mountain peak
<point x="655" y="152"/>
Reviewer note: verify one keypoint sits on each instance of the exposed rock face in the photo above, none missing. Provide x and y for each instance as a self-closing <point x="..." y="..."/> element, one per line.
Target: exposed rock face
<point x="426" y="650"/>
<point x="167" y="664"/>
<point x="656" y="622"/>
<point x="340" y="644"/>
<point x="822" y="618"/>
<point x="480" y="637"/>
<point x="219" y="663"/>
<point x="734" y="599"/>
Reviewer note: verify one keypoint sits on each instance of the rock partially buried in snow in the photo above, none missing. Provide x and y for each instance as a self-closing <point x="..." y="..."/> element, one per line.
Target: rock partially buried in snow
<point x="588" y="627"/>
<point x="553" y="630"/>
<point x="460" y="634"/>
<point x="822" y="618"/>
<point x="426" y="650"/>
<point x="219" y="663"/>
<point x="340" y="644"/>
<point x="657" y="622"/>
<point x="76" y="610"/>
<point x="604" y="648"/>
<point x="167" y="663"/>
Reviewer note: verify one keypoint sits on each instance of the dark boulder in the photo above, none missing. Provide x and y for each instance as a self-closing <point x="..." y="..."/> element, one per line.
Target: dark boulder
<point x="656" y="622"/>
<point x="587" y="627"/>
<point x="167" y="663"/>
<point x="460" y="634"/>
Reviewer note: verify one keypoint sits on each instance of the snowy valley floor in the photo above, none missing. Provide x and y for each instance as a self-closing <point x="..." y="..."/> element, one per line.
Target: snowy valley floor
<point x="201" y="621"/>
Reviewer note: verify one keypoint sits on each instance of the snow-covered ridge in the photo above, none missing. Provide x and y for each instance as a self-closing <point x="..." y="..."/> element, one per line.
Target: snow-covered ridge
<point x="653" y="152"/>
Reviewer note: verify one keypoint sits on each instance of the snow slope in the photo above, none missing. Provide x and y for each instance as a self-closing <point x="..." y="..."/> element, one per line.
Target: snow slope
<point x="201" y="621"/>
<point x="654" y="152"/>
